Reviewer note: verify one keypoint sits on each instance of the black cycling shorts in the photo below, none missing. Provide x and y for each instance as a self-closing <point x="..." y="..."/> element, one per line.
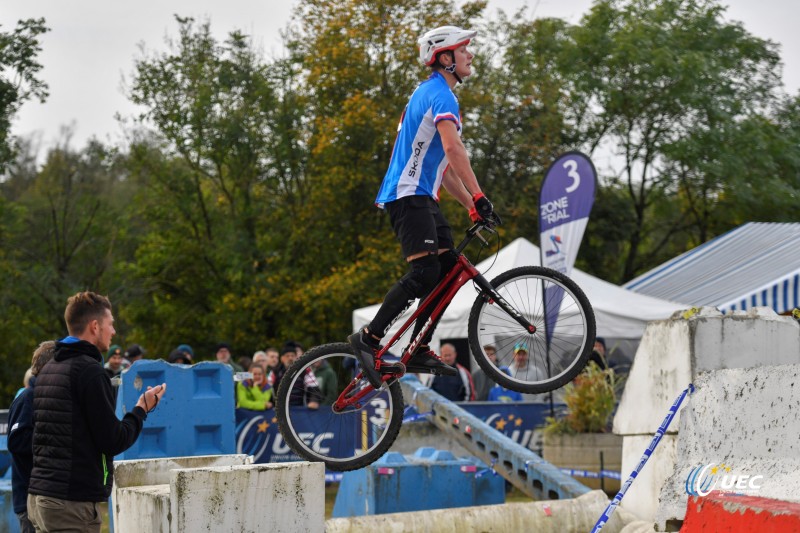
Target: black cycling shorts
<point x="419" y="225"/>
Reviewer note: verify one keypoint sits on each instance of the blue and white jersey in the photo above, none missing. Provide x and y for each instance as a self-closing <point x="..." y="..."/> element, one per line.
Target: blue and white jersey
<point x="418" y="161"/>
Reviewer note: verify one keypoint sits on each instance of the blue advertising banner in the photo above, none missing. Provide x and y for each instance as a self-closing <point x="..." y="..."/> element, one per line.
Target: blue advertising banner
<point x="257" y="431"/>
<point x="565" y="203"/>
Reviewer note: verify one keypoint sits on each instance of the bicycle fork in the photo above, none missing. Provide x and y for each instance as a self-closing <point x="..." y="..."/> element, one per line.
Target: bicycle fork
<point x="491" y="296"/>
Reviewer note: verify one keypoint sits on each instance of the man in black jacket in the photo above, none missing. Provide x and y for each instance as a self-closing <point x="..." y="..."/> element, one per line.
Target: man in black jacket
<point x="76" y="432"/>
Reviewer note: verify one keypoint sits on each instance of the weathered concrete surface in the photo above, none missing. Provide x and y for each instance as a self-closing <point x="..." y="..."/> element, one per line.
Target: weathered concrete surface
<point x="280" y="497"/>
<point x="156" y="471"/>
<point x="133" y="509"/>
<point x="746" y="419"/>
<point x="674" y="351"/>
<point x="218" y="493"/>
<point x="670" y="356"/>
<point x="558" y="516"/>
<point x="639" y="526"/>
<point x="642" y="497"/>
<point x="143" y="509"/>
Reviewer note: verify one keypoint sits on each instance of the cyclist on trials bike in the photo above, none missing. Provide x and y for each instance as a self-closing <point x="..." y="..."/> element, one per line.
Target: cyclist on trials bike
<point x="427" y="154"/>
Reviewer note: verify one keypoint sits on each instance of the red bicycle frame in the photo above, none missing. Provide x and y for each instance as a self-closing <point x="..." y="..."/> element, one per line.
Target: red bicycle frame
<point x="462" y="272"/>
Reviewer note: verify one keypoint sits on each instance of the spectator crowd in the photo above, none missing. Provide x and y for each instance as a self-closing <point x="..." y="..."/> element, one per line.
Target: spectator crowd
<point x="74" y="380"/>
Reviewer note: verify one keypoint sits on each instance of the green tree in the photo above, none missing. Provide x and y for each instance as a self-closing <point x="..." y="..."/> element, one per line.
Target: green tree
<point x="359" y="64"/>
<point x="748" y="172"/>
<point x="18" y="77"/>
<point x="647" y="77"/>
<point x="515" y="126"/>
<point x="218" y="179"/>
<point x="58" y="235"/>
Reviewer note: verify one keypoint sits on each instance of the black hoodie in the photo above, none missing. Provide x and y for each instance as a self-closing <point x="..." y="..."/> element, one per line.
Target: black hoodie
<point x="76" y="431"/>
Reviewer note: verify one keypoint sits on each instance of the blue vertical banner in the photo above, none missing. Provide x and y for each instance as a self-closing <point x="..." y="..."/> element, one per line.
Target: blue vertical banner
<point x="565" y="203"/>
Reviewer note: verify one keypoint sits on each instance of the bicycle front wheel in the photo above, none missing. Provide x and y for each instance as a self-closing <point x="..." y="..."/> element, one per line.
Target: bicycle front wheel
<point x="532" y="361"/>
<point x="316" y="430"/>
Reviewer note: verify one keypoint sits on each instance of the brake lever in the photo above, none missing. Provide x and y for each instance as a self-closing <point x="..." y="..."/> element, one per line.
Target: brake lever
<point x="484" y="242"/>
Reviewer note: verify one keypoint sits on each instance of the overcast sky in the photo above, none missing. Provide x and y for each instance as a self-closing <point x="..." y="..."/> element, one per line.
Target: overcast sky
<point x="92" y="45"/>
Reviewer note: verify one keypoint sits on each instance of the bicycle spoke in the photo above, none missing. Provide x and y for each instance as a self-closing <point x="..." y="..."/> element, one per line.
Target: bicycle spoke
<point x="344" y="438"/>
<point x="564" y="323"/>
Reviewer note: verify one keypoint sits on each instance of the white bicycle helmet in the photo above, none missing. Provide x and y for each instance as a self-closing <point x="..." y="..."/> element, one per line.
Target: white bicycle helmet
<point x="441" y="39"/>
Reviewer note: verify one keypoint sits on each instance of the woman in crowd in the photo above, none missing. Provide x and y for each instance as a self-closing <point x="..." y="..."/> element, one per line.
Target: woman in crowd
<point x="255" y="394"/>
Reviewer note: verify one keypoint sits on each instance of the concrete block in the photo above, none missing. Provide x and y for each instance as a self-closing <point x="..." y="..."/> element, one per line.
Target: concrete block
<point x="144" y="509"/>
<point x="283" y="497"/>
<point x="642" y="497"/>
<point x="138" y="472"/>
<point x="557" y="516"/>
<point x="639" y="526"/>
<point x="745" y="422"/>
<point x="671" y="355"/>
<point x="744" y="340"/>
<point x="662" y="368"/>
<point x="150" y="473"/>
<point x="673" y="352"/>
<point x="217" y="493"/>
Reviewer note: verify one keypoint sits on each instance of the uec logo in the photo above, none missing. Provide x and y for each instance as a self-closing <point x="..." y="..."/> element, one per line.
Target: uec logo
<point x="705" y="478"/>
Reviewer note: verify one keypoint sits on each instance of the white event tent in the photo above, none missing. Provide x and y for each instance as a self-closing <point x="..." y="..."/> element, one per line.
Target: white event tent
<point x="621" y="315"/>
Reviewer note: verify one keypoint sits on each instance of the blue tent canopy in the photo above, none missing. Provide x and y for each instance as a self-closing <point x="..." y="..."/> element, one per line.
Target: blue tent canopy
<point x="756" y="264"/>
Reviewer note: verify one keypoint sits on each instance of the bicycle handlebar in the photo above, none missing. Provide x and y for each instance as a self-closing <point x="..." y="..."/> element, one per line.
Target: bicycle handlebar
<point x="489" y="224"/>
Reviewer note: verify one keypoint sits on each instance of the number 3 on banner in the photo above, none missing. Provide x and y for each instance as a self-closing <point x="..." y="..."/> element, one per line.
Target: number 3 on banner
<point x="572" y="173"/>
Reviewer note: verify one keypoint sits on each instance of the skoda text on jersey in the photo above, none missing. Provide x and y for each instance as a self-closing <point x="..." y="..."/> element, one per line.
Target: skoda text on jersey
<point x="418" y="160"/>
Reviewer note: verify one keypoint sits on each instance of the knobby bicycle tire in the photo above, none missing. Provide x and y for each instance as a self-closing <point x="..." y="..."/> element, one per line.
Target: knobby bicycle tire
<point x="558" y="356"/>
<point x="304" y="440"/>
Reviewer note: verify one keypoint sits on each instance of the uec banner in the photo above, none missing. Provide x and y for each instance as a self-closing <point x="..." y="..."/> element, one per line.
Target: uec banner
<point x="257" y="431"/>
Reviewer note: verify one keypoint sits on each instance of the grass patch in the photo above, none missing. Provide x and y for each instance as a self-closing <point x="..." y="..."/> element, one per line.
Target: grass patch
<point x="514" y="495"/>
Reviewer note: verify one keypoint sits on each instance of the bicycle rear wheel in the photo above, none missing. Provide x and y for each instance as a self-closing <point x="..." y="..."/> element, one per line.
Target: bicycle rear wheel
<point x="344" y="439"/>
<point x="549" y="357"/>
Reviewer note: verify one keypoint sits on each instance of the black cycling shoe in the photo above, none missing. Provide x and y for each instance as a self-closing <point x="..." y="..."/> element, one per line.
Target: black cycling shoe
<point x="427" y="362"/>
<point x="366" y="356"/>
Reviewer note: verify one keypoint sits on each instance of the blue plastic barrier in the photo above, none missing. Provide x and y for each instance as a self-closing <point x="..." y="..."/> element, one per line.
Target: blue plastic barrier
<point x="430" y="479"/>
<point x="8" y="519"/>
<point x="5" y="456"/>
<point x="195" y="416"/>
<point x="9" y="523"/>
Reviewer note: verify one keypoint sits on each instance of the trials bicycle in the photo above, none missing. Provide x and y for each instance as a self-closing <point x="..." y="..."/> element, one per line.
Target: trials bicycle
<point x="539" y="321"/>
